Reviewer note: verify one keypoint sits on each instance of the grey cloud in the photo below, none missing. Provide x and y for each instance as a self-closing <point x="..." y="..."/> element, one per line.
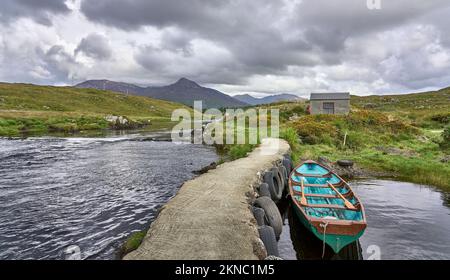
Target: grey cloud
<point x="178" y="41"/>
<point x="36" y="64"/>
<point x="131" y="14"/>
<point x="173" y="63"/>
<point x="149" y="57"/>
<point x="326" y="39"/>
<point x="414" y="71"/>
<point x="329" y="23"/>
<point x="40" y="11"/>
<point x="257" y="47"/>
<point x="262" y="36"/>
<point x="441" y="19"/>
<point x="59" y="63"/>
<point x="95" y="46"/>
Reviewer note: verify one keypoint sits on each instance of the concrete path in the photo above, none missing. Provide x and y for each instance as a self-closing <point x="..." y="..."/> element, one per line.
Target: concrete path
<point x="210" y="217"/>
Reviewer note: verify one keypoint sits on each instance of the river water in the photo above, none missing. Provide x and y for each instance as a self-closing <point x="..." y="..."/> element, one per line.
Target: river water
<point x="93" y="192"/>
<point x="405" y="222"/>
<point x="86" y="192"/>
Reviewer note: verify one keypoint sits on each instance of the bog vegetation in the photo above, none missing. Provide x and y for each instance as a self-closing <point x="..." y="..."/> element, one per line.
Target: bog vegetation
<point x="405" y="136"/>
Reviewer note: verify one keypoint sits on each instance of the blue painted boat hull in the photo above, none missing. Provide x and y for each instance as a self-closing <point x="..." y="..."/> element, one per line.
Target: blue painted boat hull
<point x="325" y="213"/>
<point x="335" y="241"/>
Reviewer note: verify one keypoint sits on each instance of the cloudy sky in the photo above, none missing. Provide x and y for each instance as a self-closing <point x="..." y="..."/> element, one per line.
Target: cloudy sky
<point x="237" y="46"/>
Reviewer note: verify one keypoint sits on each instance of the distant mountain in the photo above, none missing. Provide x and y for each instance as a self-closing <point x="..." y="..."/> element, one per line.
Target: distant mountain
<point x="183" y="91"/>
<point x="246" y="98"/>
<point x="112" y="86"/>
<point x="186" y="91"/>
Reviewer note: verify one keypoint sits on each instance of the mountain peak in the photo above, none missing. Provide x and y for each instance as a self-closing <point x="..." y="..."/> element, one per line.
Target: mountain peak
<point x="183" y="91"/>
<point x="187" y="83"/>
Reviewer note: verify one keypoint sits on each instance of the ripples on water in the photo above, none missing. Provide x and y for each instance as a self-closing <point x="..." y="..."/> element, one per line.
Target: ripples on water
<point x="91" y="193"/>
<point x="405" y="221"/>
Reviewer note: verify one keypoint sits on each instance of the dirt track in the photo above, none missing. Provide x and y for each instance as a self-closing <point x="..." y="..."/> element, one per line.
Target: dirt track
<point x="210" y="217"/>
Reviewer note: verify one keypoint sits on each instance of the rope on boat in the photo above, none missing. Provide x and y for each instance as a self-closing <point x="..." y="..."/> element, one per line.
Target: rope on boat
<point x="324" y="226"/>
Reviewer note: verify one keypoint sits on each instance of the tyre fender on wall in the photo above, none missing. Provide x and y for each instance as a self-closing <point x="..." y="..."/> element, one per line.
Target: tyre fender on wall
<point x="280" y="174"/>
<point x="274" y="182"/>
<point x="263" y="190"/>
<point x="285" y="177"/>
<point x="272" y="214"/>
<point x="259" y="216"/>
<point x="267" y="235"/>
<point x="287" y="163"/>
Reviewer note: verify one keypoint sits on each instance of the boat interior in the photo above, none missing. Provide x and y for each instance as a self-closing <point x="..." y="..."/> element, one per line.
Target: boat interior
<point x="324" y="195"/>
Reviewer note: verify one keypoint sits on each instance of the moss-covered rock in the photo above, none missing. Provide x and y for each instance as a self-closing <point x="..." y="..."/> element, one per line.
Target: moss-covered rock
<point x="132" y="242"/>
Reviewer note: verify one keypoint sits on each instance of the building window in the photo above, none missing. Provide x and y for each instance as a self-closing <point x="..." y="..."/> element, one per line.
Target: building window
<point x="328" y="108"/>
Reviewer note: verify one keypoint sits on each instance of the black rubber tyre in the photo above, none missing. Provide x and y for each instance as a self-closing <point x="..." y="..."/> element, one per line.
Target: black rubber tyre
<point x="272" y="214"/>
<point x="281" y="177"/>
<point x="285" y="175"/>
<point x="259" y="216"/>
<point x="287" y="163"/>
<point x="345" y="163"/>
<point x="275" y="185"/>
<point x="263" y="190"/>
<point x="267" y="235"/>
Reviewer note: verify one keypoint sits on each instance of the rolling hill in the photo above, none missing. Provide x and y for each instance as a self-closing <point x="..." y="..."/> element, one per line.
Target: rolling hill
<point x="31" y="108"/>
<point x="183" y="91"/>
<point x="112" y="86"/>
<point x="422" y="109"/>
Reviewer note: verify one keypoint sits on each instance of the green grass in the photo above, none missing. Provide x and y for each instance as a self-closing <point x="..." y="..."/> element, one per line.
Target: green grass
<point x="428" y="109"/>
<point x="405" y="135"/>
<point x="236" y="151"/>
<point x="44" y="109"/>
<point x="415" y="134"/>
<point x="423" y="168"/>
<point x="404" y="152"/>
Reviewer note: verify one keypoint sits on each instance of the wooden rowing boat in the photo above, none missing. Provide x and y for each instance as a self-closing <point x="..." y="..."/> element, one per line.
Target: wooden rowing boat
<point x="326" y="205"/>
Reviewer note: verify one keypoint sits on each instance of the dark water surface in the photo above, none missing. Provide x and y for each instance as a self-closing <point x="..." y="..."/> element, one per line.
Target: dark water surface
<point x="87" y="192"/>
<point x="405" y="222"/>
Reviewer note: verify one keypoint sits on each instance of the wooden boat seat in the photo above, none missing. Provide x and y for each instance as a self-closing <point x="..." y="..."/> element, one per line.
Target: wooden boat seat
<point x="328" y="175"/>
<point x="331" y="206"/>
<point x="319" y="195"/>
<point x="324" y="185"/>
<point x="340" y="185"/>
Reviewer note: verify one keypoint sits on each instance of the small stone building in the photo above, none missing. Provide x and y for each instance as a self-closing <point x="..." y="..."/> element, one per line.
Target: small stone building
<point x="330" y="103"/>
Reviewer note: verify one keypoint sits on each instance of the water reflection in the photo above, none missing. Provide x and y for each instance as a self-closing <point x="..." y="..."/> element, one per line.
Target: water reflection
<point x="405" y="221"/>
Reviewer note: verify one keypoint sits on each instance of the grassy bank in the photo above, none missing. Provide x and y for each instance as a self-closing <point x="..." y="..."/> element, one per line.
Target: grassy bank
<point x="426" y="110"/>
<point x="410" y="143"/>
<point x="30" y="109"/>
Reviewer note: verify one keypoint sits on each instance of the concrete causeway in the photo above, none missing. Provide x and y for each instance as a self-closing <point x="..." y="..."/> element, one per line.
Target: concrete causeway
<point x="210" y="217"/>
